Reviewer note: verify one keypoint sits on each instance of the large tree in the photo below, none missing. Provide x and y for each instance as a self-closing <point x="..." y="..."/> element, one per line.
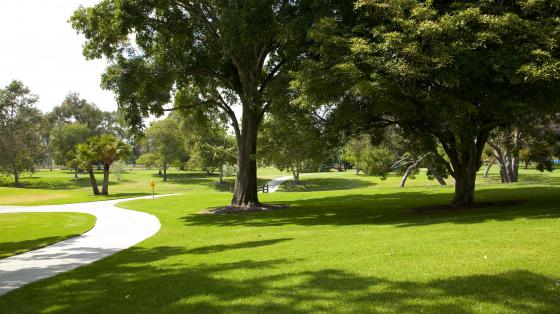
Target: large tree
<point x="448" y="72"/>
<point x="214" y="54"/>
<point x="20" y="136"/>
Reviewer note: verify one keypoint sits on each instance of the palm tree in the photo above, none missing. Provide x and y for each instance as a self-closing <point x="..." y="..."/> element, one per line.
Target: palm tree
<point x="85" y="158"/>
<point x="109" y="149"/>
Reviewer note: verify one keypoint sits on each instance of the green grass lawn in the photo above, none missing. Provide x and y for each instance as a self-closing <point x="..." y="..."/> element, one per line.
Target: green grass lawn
<point x="59" y="186"/>
<point x="346" y="244"/>
<point x="22" y="232"/>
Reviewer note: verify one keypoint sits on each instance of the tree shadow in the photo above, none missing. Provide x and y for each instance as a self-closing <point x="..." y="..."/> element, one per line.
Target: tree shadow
<point x="393" y="209"/>
<point x="227" y="247"/>
<point x="324" y="184"/>
<point x="145" y="280"/>
<point x="13" y="248"/>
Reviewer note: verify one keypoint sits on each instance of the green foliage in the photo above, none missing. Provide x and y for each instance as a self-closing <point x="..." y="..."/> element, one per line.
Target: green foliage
<point x="209" y="146"/>
<point x="165" y="141"/>
<point x="107" y="149"/>
<point x="148" y="160"/>
<point x="447" y="72"/>
<point x="63" y="140"/>
<point x="291" y="140"/>
<point x="20" y="138"/>
<point x="377" y="161"/>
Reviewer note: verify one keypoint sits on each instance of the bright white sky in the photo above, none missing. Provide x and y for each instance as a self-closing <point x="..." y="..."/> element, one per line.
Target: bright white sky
<point x="39" y="47"/>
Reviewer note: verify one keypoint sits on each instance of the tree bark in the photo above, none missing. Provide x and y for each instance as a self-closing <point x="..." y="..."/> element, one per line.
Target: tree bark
<point x="164" y="171"/>
<point x="75" y="172"/>
<point x="295" y="174"/>
<point x="245" y="191"/>
<point x="93" y="182"/>
<point x="487" y="171"/>
<point x="221" y="174"/>
<point x="465" y="154"/>
<point x="16" y="179"/>
<point x="411" y="168"/>
<point x="436" y="174"/>
<point x="406" y="174"/>
<point x="105" y="188"/>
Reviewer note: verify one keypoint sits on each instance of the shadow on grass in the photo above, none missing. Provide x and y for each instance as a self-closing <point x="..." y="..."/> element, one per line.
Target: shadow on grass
<point x="324" y="184"/>
<point x="145" y="280"/>
<point x="393" y="209"/>
<point x="13" y="248"/>
<point x="58" y="183"/>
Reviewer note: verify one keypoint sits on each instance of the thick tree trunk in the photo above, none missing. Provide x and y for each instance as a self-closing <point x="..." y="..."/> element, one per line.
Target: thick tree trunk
<point x="469" y="161"/>
<point x="93" y="182"/>
<point x="245" y="191"/>
<point x="464" y="187"/>
<point x="465" y="154"/>
<point x="105" y="188"/>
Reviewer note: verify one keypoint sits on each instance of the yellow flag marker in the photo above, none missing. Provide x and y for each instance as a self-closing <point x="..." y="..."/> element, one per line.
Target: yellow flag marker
<point x="153" y="185"/>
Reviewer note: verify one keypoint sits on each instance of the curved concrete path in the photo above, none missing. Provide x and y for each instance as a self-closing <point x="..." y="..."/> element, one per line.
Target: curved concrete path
<point x="274" y="184"/>
<point x="115" y="229"/>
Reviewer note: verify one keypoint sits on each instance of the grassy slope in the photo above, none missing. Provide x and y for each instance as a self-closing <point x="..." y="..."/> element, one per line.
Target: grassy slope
<point x="354" y="250"/>
<point x="22" y="232"/>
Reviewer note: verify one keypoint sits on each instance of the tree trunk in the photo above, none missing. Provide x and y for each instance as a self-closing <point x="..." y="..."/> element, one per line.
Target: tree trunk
<point x="164" y="171"/>
<point x="465" y="154"/>
<point x="93" y="182"/>
<point x="487" y="171"/>
<point x="436" y="174"/>
<point x="469" y="157"/>
<point x="221" y="174"/>
<point x="464" y="187"/>
<point x="75" y="172"/>
<point x="357" y="170"/>
<point x="16" y="179"/>
<point x="295" y="174"/>
<point x="245" y="191"/>
<point x="105" y="188"/>
<point x="406" y="174"/>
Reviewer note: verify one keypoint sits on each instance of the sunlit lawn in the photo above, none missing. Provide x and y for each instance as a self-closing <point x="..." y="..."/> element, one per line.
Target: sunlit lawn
<point x="60" y="187"/>
<point x="22" y="232"/>
<point x="347" y="243"/>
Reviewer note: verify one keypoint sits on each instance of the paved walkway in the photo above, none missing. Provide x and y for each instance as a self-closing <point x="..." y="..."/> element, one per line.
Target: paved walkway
<point x="274" y="185"/>
<point x="115" y="229"/>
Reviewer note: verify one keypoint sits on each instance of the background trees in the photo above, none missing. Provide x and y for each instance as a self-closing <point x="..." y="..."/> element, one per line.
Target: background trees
<point x="165" y="141"/>
<point x="290" y="139"/>
<point x="63" y="140"/>
<point x="20" y="141"/>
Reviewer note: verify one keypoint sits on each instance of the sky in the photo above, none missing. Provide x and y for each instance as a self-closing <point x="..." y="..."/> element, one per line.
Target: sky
<point x="39" y="47"/>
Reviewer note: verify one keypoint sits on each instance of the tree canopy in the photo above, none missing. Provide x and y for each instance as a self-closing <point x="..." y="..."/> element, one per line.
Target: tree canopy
<point x="206" y="54"/>
<point x="448" y="72"/>
<point x="20" y="140"/>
